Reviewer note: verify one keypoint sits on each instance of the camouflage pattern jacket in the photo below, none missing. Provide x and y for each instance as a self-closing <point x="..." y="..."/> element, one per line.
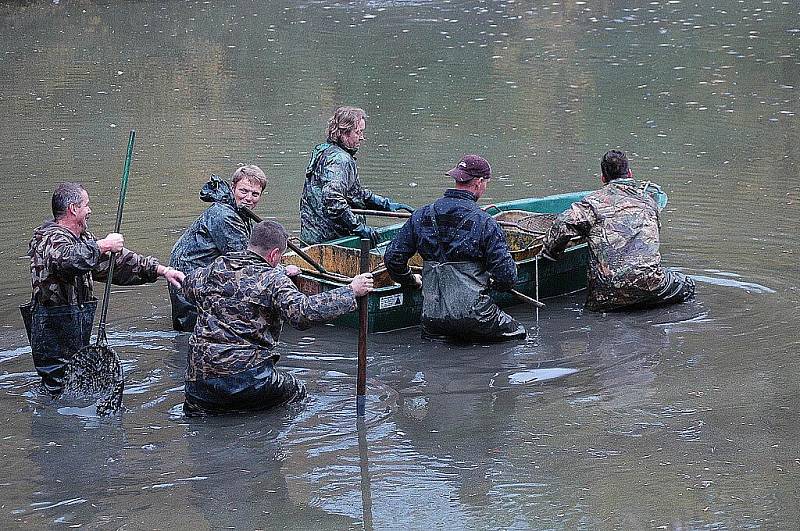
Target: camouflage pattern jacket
<point x="218" y="230"/>
<point x="621" y="223"/>
<point x="242" y="302"/>
<point x="331" y="188"/>
<point x="63" y="266"/>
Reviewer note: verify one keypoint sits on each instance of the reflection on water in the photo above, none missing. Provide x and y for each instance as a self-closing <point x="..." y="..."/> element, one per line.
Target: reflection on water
<point x="677" y="417"/>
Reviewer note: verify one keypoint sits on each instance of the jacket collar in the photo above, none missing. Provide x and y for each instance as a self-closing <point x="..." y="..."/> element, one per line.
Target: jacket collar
<point x="459" y="194"/>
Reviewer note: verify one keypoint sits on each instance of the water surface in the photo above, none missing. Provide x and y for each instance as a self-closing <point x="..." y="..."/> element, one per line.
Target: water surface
<point x="684" y="417"/>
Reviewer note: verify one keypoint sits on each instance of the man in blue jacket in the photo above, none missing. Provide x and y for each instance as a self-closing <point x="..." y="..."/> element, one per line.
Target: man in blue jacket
<point x="465" y="254"/>
<point x="221" y="229"/>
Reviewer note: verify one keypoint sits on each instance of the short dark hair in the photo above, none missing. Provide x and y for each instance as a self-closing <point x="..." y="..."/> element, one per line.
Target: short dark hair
<point x="614" y="165"/>
<point x="64" y="195"/>
<point x="268" y="235"/>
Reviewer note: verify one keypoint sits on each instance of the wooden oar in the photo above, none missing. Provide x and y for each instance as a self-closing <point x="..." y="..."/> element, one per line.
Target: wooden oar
<point x="363" y="328"/>
<point x="384" y="214"/>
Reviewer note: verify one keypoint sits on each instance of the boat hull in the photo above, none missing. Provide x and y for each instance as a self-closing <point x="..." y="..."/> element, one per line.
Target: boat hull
<point x="392" y="306"/>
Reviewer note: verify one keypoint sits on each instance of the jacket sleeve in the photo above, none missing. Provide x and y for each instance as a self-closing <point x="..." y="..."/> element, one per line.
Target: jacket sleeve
<point x="499" y="262"/>
<point x="400" y="251"/>
<point x="69" y="257"/>
<point x="300" y="310"/>
<point x="577" y="220"/>
<point x="193" y="283"/>
<point x="228" y="232"/>
<point x="130" y="269"/>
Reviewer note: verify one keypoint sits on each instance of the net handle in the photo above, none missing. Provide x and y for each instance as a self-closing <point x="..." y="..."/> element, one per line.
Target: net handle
<point x="123" y="190"/>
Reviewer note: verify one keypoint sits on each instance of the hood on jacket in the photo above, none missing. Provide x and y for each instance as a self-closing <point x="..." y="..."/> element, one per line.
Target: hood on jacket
<point x="51" y="226"/>
<point x="217" y="190"/>
<point x="319" y="150"/>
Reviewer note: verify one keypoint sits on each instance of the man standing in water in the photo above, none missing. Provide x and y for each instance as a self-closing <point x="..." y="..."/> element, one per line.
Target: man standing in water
<point x="242" y="299"/>
<point x="65" y="259"/>
<point x="465" y="254"/>
<point x="621" y="222"/>
<point x="332" y="185"/>
<point x="222" y="228"/>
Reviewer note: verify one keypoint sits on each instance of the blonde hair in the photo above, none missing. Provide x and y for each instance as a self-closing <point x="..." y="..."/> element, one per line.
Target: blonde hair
<point x="344" y="120"/>
<point x="252" y="173"/>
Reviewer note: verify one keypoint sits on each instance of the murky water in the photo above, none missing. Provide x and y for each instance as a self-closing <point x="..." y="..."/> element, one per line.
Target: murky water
<point x="685" y="417"/>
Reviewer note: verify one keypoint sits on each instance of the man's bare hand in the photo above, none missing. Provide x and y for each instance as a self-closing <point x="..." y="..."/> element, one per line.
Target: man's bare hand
<point x="417" y="280"/>
<point x="112" y="243"/>
<point x="172" y="275"/>
<point x="362" y="284"/>
<point x="292" y="271"/>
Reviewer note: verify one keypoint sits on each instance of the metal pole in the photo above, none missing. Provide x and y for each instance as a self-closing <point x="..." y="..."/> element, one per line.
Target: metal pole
<point x="363" y="328"/>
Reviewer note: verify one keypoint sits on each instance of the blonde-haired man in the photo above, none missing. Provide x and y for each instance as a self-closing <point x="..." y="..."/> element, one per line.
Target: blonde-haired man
<point x="222" y="228"/>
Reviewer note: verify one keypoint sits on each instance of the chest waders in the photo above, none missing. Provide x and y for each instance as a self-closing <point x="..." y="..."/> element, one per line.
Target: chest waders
<point x="56" y="333"/>
<point x="455" y="298"/>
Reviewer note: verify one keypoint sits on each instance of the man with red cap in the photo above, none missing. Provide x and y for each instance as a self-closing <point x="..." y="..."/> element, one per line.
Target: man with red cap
<point x="465" y="254"/>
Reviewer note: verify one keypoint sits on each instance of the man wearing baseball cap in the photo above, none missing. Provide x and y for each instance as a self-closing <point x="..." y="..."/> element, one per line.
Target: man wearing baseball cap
<point x="465" y="254"/>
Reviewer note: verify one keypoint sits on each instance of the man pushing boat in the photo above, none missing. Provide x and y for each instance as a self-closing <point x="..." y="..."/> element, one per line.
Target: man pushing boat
<point x="332" y="185"/>
<point x="621" y="222"/>
<point x="242" y="300"/>
<point x="465" y="254"/>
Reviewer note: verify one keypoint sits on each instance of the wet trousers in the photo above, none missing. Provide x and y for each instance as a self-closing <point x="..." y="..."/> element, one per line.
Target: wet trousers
<point x="456" y="304"/>
<point x="258" y="388"/>
<point x="677" y="288"/>
<point x="56" y="333"/>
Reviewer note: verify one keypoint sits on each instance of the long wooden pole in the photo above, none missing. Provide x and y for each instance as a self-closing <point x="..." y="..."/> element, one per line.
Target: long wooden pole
<point x="363" y="328"/>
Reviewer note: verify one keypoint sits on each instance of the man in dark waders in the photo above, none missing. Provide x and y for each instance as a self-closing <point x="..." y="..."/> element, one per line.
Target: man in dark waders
<point x="65" y="260"/>
<point x="621" y="222"/>
<point x="220" y="229"/>
<point x="242" y="299"/>
<point x="465" y="255"/>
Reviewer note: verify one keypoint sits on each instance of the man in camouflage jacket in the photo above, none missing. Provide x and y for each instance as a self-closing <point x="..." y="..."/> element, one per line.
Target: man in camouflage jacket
<point x="242" y="299"/>
<point x="220" y="229"/>
<point x="621" y="223"/>
<point x="332" y="185"/>
<point x="65" y="260"/>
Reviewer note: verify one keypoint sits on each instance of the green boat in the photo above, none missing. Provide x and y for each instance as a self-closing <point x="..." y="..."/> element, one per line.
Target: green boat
<point x="392" y="306"/>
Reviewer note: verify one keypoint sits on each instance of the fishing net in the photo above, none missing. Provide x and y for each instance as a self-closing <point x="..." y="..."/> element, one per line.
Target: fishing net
<point x="95" y="373"/>
<point x="535" y="222"/>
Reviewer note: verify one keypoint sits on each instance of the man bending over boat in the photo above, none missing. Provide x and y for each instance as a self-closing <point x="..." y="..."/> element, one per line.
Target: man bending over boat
<point x="465" y="253"/>
<point x="65" y="260"/>
<point x="222" y="228"/>
<point x="242" y="300"/>
<point x="621" y="222"/>
<point x="332" y="185"/>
